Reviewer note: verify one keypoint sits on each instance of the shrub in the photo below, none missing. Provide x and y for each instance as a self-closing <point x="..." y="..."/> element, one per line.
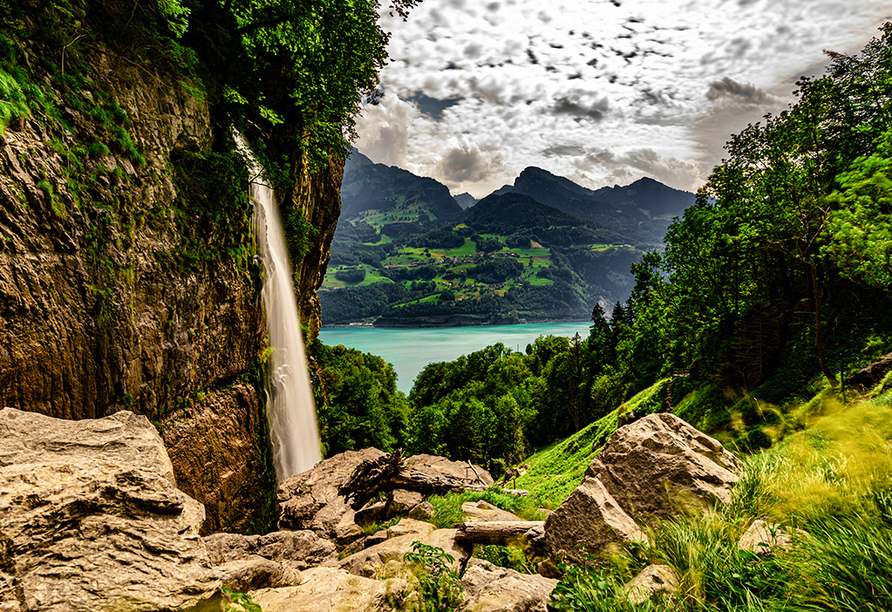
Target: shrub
<point x="351" y="275"/>
<point x="441" y="589"/>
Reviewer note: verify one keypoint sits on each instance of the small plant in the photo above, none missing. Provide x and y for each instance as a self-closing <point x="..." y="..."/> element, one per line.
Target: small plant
<point x="441" y="589"/>
<point x="236" y="601"/>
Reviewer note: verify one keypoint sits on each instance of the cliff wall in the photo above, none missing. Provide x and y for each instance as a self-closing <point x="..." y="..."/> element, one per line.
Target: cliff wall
<point x="128" y="276"/>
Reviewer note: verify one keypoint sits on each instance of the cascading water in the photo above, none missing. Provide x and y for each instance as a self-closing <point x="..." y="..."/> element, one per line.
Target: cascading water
<point x="290" y="409"/>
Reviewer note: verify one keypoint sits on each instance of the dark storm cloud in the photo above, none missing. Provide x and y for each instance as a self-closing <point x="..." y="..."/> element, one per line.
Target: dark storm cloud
<point x="563" y="151"/>
<point x="460" y="165"/>
<point x="731" y="89"/>
<point x="432" y="107"/>
<point x="574" y="108"/>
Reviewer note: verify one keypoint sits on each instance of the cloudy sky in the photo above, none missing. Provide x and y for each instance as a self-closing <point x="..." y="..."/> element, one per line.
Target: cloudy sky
<point x="600" y="91"/>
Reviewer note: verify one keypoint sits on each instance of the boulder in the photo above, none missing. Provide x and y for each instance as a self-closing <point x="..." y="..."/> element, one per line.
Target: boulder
<point x="489" y="588"/>
<point x="373" y="559"/>
<point x="765" y="539"/>
<point x="423" y="511"/>
<point x="90" y="518"/>
<point x="483" y="511"/>
<point x="253" y="573"/>
<point x="406" y="526"/>
<point x="334" y="590"/>
<point x="659" y="466"/>
<point x="433" y="465"/>
<point x="402" y="501"/>
<point x="654" y="580"/>
<point x="302" y="548"/>
<point x="310" y="500"/>
<point x="588" y="520"/>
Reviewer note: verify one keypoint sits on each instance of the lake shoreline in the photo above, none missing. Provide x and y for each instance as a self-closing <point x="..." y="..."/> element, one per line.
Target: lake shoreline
<point x="364" y="325"/>
<point x="410" y="349"/>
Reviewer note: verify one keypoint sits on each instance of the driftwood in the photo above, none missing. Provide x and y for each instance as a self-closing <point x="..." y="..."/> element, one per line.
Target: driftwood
<point x="496" y="532"/>
<point x="389" y="472"/>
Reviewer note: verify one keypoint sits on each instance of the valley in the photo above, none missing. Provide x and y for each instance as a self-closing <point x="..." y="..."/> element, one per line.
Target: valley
<point x="409" y="255"/>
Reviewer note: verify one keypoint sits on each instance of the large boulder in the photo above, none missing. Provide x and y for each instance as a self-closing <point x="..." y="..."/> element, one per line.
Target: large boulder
<point x="587" y="521"/>
<point x="660" y="465"/>
<point x="334" y="590"/>
<point x="91" y="519"/>
<point x="254" y="573"/>
<point x="489" y="588"/>
<point x="311" y="499"/>
<point x="302" y="548"/>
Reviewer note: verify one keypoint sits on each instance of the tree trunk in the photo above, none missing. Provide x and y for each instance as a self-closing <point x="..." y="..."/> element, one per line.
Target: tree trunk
<point x="819" y="330"/>
<point x="496" y="532"/>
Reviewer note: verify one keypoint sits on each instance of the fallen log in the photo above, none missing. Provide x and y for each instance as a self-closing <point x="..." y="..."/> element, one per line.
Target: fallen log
<point x="496" y="532"/>
<point x="389" y="472"/>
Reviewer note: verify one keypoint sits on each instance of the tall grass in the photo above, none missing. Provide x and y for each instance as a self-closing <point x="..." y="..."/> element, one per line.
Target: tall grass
<point x="830" y="485"/>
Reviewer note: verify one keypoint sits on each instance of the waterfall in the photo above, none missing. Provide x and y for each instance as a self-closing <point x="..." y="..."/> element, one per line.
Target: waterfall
<point x="290" y="410"/>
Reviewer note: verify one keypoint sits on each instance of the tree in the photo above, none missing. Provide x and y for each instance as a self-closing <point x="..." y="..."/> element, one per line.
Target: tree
<point x="859" y="225"/>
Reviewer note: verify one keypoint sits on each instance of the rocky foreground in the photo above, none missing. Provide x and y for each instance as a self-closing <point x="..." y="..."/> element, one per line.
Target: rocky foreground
<point x="91" y="519"/>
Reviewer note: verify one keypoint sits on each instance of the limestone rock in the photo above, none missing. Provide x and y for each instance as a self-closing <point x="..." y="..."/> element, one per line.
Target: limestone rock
<point x="433" y="465"/>
<point x="659" y="465"/>
<point x="422" y="512"/>
<point x="489" y="588"/>
<point x="402" y="501"/>
<point x="310" y="500"/>
<point x="373" y="558"/>
<point x="8" y="599"/>
<point x="303" y="548"/>
<point x="252" y="573"/>
<point x="483" y="511"/>
<point x="653" y="580"/>
<point x="333" y="590"/>
<point x="406" y="526"/>
<point x="589" y="519"/>
<point x="764" y="538"/>
<point x="93" y="518"/>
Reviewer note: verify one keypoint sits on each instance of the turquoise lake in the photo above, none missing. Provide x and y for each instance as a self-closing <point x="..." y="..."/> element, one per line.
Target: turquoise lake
<point x="410" y="349"/>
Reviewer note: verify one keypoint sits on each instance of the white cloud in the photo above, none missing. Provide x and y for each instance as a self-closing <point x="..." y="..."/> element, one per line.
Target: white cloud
<point x="597" y="92"/>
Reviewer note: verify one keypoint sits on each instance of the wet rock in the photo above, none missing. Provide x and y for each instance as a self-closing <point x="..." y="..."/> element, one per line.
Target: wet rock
<point x="213" y="449"/>
<point x="587" y="521"/>
<point x="91" y="518"/>
<point x="489" y="588"/>
<point x="660" y="465"/>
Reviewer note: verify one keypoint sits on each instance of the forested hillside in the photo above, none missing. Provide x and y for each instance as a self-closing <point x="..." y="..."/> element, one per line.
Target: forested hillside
<point x="545" y="248"/>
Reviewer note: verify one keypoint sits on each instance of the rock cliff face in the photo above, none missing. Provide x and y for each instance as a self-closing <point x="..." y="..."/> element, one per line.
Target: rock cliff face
<point x="128" y="276"/>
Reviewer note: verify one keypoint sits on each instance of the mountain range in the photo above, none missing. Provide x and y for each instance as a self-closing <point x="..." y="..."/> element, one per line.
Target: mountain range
<point x="406" y="252"/>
